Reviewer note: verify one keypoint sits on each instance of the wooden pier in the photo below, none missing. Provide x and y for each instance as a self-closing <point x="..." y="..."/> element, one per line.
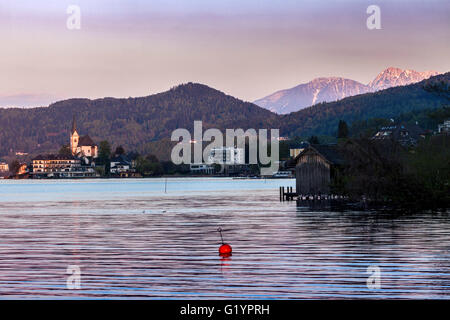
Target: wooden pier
<point x="287" y="194"/>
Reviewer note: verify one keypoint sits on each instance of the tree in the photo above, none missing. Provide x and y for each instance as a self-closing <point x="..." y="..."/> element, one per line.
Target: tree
<point x="14" y="166"/>
<point x="119" y="151"/>
<point x="314" y="140"/>
<point x="149" y="166"/>
<point x="104" y="151"/>
<point x="342" y="130"/>
<point x="143" y="166"/>
<point x="65" y="151"/>
<point x="104" y="155"/>
<point x="152" y="158"/>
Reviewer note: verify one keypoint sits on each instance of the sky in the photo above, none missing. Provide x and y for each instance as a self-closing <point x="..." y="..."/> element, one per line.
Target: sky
<point x="245" y="48"/>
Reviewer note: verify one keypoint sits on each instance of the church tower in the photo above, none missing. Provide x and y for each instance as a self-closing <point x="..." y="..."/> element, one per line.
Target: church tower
<point x="74" y="137"/>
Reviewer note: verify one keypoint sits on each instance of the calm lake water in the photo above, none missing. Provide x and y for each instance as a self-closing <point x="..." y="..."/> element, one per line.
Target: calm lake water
<point x="132" y="240"/>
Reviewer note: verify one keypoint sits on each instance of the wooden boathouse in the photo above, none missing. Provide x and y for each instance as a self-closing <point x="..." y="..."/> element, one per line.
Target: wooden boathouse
<point x="316" y="167"/>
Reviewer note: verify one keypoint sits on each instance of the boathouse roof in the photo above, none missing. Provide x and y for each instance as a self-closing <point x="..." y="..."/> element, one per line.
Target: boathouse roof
<point x="328" y="151"/>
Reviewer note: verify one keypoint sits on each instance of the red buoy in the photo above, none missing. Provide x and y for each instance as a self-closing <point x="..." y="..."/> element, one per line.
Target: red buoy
<point x="225" y="248"/>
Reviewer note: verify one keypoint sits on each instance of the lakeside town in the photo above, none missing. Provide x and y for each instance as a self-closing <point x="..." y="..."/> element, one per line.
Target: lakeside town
<point x="315" y="165"/>
<point x="83" y="158"/>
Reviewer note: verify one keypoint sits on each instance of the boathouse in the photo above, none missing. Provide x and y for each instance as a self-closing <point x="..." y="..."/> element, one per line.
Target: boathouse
<point x="315" y="169"/>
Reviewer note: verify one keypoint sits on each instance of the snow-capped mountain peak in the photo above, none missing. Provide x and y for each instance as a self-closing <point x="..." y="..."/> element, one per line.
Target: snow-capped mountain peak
<point x="325" y="89"/>
<point x="393" y="77"/>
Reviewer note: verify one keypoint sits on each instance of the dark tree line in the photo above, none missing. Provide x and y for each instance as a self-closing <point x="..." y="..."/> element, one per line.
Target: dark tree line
<point x="384" y="171"/>
<point x="146" y="123"/>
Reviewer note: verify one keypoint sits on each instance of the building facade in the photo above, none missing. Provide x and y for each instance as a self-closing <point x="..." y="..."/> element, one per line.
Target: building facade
<point x="4" y="167"/>
<point x="201" y="168"/>
<point x="60" y="166"/>
<point x="297" y="149"/>
<point x="120" y="164"/>
<point x="403" y="133"/>
<point x="444" y="128"/>
<point x="315" y="169"/>
<point x="82" y="146"/>
<point x="227" y="155"/>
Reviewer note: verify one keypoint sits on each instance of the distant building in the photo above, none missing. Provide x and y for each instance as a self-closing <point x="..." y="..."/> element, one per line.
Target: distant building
<point x="4" y="167"/>
<point x="82" y="146"/>
<point x="60" y="166"/>
<point x="403" y="133"/>
<point x="316" y="168"/>
<point x="201" y="168"/>
<point x="283" y="174"/>
<point x="227" y="156"/>
<point x="23" y="169"/>
<point x="120" y="164"/>
<point x="297" y="149"/>
<point x="444" y="128"/>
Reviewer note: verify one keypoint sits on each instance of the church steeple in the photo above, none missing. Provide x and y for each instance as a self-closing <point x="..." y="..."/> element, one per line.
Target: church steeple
<point x="74" y="137"/>
<point x="74" y="125"/>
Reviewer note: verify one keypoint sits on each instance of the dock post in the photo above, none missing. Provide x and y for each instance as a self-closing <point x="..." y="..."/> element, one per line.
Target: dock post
<point x="281" y="195"/>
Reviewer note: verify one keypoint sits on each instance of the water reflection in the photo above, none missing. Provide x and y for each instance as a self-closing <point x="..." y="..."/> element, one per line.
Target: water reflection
<point x="127" y="247"/>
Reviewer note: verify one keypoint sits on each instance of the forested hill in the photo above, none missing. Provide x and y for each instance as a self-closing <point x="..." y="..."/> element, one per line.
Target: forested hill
<point x="134" y="122"/>
<point x="130" y="122"/>
<point x="322" y="119"/>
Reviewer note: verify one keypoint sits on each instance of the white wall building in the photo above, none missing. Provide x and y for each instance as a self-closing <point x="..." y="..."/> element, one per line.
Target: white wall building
<point x="444" y="127"/>
<point x="227" y="155"/>
<point x="201" y="168"/>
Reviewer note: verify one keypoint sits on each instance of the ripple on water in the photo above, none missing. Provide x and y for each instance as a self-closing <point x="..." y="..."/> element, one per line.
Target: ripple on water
<point x="155" y="245"/>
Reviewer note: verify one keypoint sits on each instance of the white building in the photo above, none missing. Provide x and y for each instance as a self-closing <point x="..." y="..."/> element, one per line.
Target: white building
<point x="120" y="164"/>
<point x="60" y="166"/>
<point x="444" y="127"/>
<point x="227" y="155"/>
<point x="201" y="168"/>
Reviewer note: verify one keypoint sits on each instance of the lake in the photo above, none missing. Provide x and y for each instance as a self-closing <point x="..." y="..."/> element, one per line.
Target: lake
<point x="132" y="239"/>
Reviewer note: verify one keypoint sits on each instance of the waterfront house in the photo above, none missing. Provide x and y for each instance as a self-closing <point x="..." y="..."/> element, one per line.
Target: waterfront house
<point x="60" y="166"/>
<point x="201" y="168"/>
<point x="403" y="133"/>
<point x="120" y="164"/>
<point x="315" y="169"/>
<point x="227" y="155"/>
<point x="23" y="169"/>
<point x="4" y="167"/>
<point x="444" y="128"/>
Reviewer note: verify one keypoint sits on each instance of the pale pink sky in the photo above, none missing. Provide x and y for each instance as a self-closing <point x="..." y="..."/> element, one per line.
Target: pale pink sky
<point x="246" y="48"/>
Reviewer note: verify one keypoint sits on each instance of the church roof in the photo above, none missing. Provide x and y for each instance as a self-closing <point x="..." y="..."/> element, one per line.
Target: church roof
<point x="86" y="141"/>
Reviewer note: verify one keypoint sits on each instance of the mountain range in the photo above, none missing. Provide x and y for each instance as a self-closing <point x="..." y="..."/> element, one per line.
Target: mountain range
<point x="336" y="88"/>
<point x="145" y="124"/>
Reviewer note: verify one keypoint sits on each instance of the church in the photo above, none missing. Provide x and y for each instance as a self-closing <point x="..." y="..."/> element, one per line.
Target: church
<point x="82" y="146"/>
